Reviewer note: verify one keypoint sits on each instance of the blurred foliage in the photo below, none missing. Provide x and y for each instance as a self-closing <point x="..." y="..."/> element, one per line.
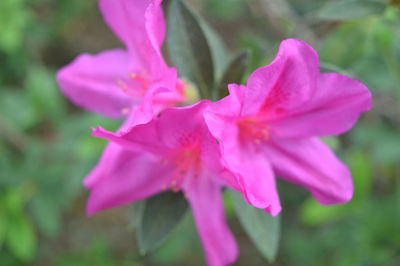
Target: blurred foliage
<point x="46" y="148"/>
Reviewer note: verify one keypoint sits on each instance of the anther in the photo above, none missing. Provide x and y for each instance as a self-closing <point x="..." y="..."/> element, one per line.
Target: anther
<point x="121" y="84"/>
<point x="125" y="111"/>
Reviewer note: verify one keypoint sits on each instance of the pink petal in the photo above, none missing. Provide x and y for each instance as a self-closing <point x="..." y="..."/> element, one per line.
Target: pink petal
<point x="333" y="110"/>
<point x="310" y="163"/>
<point x="248" y="164"/>
<point x="127" y="19"/>
<point x="138" y="138"/>
<point x="221" y="116"/>
<point x="108" y="160"/>
<point x="129" y="177"/>
<point x="256" y="179"/>
<point x="286" y="83"/>
<point x="164" y="133"/>
<point x="207" y="206"/>
<point x="155" y="29"/>
<point x="90" y="81"/>
<point x="175" y="124"/>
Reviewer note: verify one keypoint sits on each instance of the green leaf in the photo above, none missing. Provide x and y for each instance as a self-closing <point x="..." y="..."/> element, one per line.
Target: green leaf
<point x="234" y="73"/>
<point x="218" y="49"/>
<point x="351" y="9"/>
<point x="313" y="213"/>
<point x="43" y="92"/>
<point x="47" y="214"/>
<point x="16" y="109"/>
<point x="137" y="213"/>
<point x="21" y="238"/>
<point x="361" y="168"/>
<point x="15" y="16"/>
<point x="3" y="222"/>
<point x="261" y="227"/>
<point x="161" y="214"/>
<point x="188" y="47"/>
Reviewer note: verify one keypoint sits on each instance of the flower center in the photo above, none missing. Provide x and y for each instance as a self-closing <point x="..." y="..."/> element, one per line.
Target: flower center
<point x="138" y="84"/>
<point x="186" y="162"/>
<point x="254" y="129"/>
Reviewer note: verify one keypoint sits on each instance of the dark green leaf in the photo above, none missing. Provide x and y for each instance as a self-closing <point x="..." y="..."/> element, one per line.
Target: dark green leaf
<point x="234" y="73"/>
<point x="47" y="215"/>
<point x="218" y="49"/>
<point x="161" y="214"/>
<point x="188" y="47"/>
<point x="351" y="9"/>
<point x="137" y="213"/>
<point x="261" y="227"/>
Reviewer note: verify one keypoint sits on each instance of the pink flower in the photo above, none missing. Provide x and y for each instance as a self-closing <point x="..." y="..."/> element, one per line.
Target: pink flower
<point x="270" y="126"/>
<point x="119" y="82"/>
<point x="134" y="82"/>
<point x="175" y="151"/>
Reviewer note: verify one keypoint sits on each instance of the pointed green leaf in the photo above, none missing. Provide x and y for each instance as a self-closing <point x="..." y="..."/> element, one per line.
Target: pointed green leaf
<point x="218" y="49"/>
<point x="188" y="47"/>
<point x="161" y="214"/>
<point x="137" y="213"/>
<point x="260" y="226"/>
<point x="234" y="73"/>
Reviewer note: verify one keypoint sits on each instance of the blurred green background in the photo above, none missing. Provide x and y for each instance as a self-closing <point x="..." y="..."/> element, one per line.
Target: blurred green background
<point x="46" y="148"/>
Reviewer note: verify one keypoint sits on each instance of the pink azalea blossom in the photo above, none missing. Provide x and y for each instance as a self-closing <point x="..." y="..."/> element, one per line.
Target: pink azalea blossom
<point x="173" y="152"/>
<point x="270" y="126"/>
<point x="134" y="81"/>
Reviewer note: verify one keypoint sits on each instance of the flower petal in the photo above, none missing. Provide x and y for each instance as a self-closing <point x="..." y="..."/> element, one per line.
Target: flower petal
<point x="182" y="122"/>
<point x="138" y="138"/>
<point x="310" y="163"/>
<point x="286" y="83"/>
<point x="127" y="19"/>
<point x="333" y="110"/>
<point x="90" y="81"/>
<point x="256" y="178"/>
<point x="128" y="177"/>
<point x="249" y="165"/>
<point x="207" y="206"/>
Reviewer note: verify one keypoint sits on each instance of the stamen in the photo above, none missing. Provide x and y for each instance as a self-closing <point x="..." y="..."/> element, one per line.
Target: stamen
<point x="144" y="82"/>
<point x="186" y="162"/>
<point x="254" y="129"/>
<point x="122" y="84"/>
<point x="125" y="111"/>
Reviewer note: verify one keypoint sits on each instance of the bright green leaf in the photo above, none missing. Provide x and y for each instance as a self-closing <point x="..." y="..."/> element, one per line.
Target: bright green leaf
<point x="261" y="227"/>
<point x="188" y="47"/>
<point x="161" y="214"/>
<point x="14" y="19"/>
<point x="21" y="238"/>
<point x="361" y="169"/>
<point x="313" y="213"/>
<point x="3" y="222"/>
